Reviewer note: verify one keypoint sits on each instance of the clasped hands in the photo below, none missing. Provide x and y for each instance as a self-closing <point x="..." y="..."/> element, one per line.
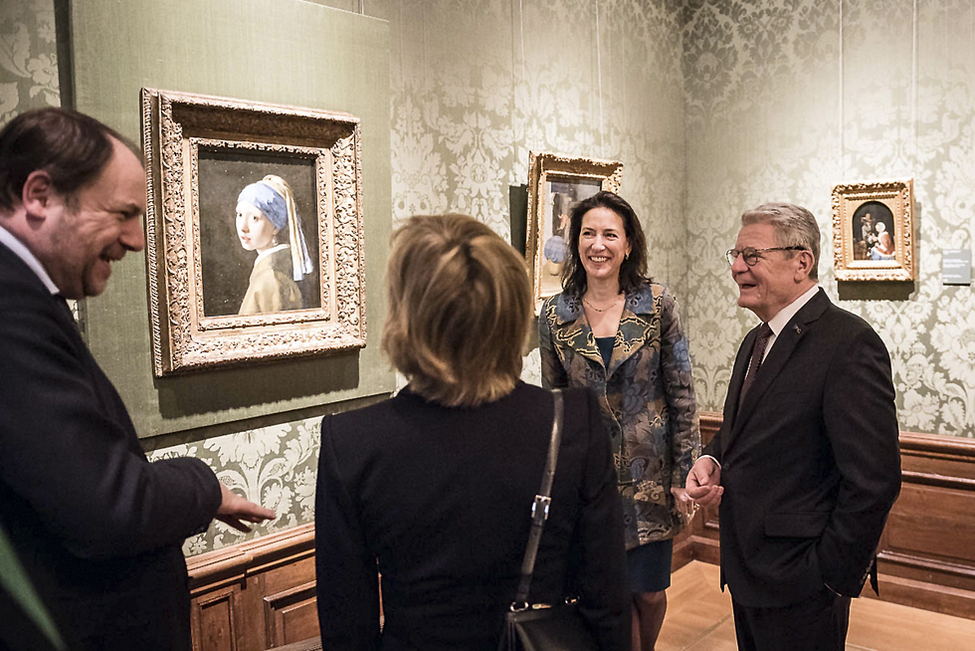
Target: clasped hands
<point x="704" y="483"/>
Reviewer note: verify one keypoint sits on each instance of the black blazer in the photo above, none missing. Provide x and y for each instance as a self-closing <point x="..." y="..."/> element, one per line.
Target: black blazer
<point x="97" y="526"/>
<point x="810" y="460"/>
<point x="438" y="500"/>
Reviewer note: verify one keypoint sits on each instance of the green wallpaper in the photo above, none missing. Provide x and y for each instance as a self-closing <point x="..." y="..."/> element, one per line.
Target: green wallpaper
<point x="786" y="99"/>
<point x="28" y="60"/>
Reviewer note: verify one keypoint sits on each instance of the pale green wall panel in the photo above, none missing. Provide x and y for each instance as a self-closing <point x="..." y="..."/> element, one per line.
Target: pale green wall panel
<point x="786" y="100"/>
<point x="279" y="51"/>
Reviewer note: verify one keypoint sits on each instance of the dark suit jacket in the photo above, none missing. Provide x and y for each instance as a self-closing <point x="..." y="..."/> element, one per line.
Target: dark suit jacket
<point x="97" y="526"/>
<point x="441" y="498"/>
<point x="810" y="460"/>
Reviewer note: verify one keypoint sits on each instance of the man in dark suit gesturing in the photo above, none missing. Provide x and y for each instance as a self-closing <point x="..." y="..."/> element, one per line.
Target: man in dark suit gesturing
<point x="97" y="526"/>
<point x="806" y="465"/>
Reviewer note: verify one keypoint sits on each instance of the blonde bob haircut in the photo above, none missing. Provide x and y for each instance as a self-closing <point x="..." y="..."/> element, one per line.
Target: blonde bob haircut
<point x="459" y="310"/>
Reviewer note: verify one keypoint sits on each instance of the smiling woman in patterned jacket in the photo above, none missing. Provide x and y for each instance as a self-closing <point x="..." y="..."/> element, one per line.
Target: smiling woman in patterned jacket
<point x="615" y="331"/>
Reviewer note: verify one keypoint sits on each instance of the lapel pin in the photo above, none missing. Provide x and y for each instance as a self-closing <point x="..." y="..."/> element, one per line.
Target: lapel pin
<point x="797" y="329"/>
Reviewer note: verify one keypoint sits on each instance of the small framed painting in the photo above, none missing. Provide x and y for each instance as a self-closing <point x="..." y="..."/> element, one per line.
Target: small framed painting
<point x="873" y="231"/>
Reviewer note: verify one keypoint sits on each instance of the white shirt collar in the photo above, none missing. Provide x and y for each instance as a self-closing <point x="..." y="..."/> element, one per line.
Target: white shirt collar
<point x="7" y="239"/>
<point x="779" y="321"/>
<point x="267" y="252"/>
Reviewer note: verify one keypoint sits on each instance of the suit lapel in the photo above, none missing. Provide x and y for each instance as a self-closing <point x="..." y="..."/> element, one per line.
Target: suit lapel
<point x="780" y="354"/>
<point x="731" y="405"/>
<point x="631" y="335"/>
<point x="574" y="330"/>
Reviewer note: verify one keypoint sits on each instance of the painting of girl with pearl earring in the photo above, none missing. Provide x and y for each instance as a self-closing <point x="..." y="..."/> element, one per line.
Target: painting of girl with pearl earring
<point x="268" y="222"/>
<point x="258" y="227"/>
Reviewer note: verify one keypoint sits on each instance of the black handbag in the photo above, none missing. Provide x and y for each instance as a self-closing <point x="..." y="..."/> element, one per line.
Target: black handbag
<point x="541" y="627"/>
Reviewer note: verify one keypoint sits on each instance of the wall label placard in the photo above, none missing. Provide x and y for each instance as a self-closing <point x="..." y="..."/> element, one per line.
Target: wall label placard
<point x="956" y="267"/>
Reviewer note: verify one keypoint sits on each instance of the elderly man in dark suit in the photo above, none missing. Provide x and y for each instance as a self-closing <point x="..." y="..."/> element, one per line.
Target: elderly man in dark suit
<point x="806" y="465"/>
<point x="97" y="526"/>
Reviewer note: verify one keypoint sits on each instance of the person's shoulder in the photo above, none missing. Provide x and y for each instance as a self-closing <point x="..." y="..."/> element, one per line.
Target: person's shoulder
<point x="842" y="318"/>
<point x="843" y="327"/>
<point x="648" y="298"/>
<point x="360" y="418"/>
<point x="561" y="308"/>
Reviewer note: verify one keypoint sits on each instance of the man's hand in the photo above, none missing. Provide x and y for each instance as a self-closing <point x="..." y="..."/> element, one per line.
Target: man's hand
<point x="704" y="482"/>
<point x="235" y="510"/>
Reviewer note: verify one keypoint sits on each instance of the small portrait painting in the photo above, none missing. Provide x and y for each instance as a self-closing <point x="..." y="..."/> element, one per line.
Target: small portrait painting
<point x="873" y="232"/>
<point x="258" y="234"/>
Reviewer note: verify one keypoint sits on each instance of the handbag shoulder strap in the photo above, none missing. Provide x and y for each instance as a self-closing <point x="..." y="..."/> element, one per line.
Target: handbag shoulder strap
<point x="540" y="506"/>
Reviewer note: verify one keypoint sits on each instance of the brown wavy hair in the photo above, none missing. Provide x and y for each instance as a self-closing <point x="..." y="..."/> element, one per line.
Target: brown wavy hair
<point x="459" y="310"/>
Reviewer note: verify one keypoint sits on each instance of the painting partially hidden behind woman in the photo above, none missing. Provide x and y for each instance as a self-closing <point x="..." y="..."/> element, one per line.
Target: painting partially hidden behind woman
<point x="268" y="222"/>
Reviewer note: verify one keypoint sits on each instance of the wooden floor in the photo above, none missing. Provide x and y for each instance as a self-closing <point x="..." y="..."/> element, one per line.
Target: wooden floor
<point x="699" y="619"/>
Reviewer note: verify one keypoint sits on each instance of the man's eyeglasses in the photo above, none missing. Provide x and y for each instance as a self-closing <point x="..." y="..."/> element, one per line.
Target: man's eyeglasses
<point x="752" y="256"/>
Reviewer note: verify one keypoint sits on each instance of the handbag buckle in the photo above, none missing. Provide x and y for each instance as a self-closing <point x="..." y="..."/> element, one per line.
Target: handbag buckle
<point x="540" y="508"/>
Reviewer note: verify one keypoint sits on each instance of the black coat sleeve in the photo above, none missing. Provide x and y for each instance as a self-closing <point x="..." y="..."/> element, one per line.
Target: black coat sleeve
<point x="68" y="452"/>
<point x="860" y="421"/>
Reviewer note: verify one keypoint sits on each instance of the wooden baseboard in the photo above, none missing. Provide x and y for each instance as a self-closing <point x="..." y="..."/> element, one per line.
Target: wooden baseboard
<point x="256" y="595"/>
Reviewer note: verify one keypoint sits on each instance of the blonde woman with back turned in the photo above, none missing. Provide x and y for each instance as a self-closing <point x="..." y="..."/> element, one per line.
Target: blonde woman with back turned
<point x="432" y="489"/>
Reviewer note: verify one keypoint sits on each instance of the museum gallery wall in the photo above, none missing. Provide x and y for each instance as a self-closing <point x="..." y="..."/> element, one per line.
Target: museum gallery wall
<point x="778" y="100"/>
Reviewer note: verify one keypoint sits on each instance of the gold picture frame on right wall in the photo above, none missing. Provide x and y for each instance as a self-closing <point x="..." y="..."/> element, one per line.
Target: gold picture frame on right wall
<point x="873" y="231"/>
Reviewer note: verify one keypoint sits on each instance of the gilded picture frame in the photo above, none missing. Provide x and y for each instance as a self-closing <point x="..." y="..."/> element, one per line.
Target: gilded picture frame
<point x="555" y="184"/>
<point x="214" y="299"/>
<point x="873" y="231"/>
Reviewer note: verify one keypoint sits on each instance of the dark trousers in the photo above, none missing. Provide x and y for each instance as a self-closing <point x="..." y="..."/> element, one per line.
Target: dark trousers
<point x="818" y="623"/>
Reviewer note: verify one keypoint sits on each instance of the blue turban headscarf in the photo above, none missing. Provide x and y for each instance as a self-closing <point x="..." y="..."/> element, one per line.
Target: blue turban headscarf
<point x="266" y="199"/>
<point x="272" y="196"/>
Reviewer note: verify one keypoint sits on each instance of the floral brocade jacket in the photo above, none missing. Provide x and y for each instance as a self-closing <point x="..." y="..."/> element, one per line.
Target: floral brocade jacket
<point x="646" y="395"/>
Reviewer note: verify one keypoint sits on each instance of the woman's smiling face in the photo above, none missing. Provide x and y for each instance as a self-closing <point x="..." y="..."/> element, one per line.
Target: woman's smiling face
<point x="602" y="243"/>
<point x="256" y="232"/>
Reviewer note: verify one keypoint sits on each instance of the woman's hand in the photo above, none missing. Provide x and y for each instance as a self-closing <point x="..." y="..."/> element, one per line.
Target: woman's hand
<point x="685" y="504"/>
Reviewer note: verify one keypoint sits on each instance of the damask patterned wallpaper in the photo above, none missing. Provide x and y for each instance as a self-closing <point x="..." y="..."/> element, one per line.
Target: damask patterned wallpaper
<point x="714" y="107"/>
<point x="28" y="60"/>
<point x="787" y="98"/>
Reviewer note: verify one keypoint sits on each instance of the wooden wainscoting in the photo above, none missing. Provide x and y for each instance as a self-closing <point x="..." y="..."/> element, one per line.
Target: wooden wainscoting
<point x="256" y="595"/>
<point x="260" y="594"/>
<point x="926" y="556"/>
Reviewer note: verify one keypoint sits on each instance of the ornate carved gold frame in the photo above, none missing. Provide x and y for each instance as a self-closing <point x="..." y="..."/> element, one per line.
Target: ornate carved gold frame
<point x="174" y="128"/>
<point x="848" y="199"/>
<point x="545" y="168"/>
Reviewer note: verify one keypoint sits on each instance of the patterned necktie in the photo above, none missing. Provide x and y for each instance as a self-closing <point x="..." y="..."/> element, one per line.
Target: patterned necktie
<point x="758" y="352"/>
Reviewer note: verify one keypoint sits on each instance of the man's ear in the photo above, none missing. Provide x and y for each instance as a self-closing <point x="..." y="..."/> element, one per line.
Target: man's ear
<point x="804" y="268"/>
<point x="38" y="194"/>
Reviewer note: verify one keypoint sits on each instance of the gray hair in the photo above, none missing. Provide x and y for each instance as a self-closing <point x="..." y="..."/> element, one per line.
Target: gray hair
<point x="794" y="226"/>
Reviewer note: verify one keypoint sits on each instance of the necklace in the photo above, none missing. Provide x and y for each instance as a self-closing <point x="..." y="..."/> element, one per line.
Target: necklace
<point x="615" y="303"/>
